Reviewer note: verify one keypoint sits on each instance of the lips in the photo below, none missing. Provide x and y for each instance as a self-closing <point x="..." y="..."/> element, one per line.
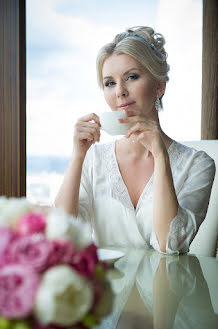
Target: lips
<point x="126" y="105"/>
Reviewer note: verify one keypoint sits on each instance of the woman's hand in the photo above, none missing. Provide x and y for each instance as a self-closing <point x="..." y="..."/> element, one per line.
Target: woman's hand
<point x="146" y="131"/>
<point x="86" y="133"/>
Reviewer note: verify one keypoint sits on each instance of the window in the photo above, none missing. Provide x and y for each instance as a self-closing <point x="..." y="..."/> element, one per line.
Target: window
<point x="63" y="38"/>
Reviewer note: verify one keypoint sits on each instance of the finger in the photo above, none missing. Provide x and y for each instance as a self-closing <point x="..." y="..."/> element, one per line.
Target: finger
<point x="95" y="135"/>
<point x="89" y="127"/>
<point x="90" y="117"/>
<point x="136" y="129"/>
<point x="92" y="130"/>
<point x="86" y="136"/>
<point x="90" y="136"/>
<point x="143" y="135"/>
<point x="92" y="125"/>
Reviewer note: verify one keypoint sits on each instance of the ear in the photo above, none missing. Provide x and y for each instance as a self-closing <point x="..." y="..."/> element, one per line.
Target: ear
<point x="161" y="86"/>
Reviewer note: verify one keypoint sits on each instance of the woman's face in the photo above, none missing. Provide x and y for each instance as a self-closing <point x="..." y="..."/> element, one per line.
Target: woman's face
<point x="127" y="85"/>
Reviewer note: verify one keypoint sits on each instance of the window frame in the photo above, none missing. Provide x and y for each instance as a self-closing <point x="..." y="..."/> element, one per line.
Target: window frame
<point x="12" y="98"/>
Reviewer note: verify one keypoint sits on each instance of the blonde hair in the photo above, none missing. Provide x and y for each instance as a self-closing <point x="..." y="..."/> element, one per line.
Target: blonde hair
<point x="141" y="43"/>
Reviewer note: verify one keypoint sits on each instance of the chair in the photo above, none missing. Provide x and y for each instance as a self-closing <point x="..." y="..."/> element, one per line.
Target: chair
<point x="205" y="242"/>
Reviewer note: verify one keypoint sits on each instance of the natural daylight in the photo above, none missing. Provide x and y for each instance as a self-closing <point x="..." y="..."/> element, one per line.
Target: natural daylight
<point x="63" y="39"/>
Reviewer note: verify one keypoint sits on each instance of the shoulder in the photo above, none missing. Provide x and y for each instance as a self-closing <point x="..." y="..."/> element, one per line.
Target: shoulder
<point x="189" y="162"/>
<point x="189" y="154"/>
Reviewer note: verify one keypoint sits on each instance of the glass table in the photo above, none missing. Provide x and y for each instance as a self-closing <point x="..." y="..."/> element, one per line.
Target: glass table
<point x="154" y="290"/>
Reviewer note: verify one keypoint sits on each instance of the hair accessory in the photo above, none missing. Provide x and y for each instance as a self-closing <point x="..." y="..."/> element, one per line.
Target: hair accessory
<point x="151" y="45"/>
<point x="157" y="103"/>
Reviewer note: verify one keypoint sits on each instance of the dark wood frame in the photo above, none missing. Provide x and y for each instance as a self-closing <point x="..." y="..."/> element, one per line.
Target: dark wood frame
<point x="13" y="90"/>
<point x="12" y="98"/>
<point x="209" y="114"/>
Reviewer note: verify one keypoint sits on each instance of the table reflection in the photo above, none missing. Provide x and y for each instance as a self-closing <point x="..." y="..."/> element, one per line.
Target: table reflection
<point x="158" y="291"/>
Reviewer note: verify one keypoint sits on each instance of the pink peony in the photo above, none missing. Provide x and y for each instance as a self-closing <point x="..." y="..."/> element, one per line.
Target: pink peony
<point x="31" y="223"/>
<point x="6" y="236"/>
<point x="62" y="253"/>
<point x="85" y="261"/>
<point x="31" y="250"/>
<point x="18" y="286"/>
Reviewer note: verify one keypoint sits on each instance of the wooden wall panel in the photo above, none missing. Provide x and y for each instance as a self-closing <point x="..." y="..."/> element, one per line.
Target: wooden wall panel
<point x="12" y="98"/>
<point x="209" y="117"/>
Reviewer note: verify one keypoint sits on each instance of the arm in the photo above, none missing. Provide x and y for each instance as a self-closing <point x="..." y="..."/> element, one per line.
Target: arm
<point x="68" y="195"/>
<point x="165" y="301"/>
<point x="193" y="197"/>
<point x="86" y="133"/>
<point x="165" y="205"/>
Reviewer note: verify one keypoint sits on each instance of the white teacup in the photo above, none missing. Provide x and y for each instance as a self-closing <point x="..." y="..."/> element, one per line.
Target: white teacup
<point x="110" y="123"/>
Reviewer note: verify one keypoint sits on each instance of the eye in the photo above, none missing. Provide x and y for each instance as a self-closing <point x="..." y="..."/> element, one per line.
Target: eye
<point x="109" y="83"/>
<point x="133" y="77"/>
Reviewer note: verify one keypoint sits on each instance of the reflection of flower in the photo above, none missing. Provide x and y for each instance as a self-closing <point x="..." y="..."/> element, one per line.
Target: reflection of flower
<point x="63" y="296"/>
<point x="104" y="303"/>
<point x="50" y="274"/>
<point x="18" y="285"/>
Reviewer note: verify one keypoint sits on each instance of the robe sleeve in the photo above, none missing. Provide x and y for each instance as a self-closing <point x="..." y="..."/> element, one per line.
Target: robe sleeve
<point x="85" y="207"/>
<point x="193" y="201"/>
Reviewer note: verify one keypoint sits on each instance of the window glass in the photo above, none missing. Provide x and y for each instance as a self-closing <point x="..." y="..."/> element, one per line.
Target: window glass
<point x="63" y="38"/>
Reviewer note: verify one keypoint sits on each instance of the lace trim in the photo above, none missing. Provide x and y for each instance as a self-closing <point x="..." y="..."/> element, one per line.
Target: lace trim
<point x="118" y="187"/>
<point x="177" y="230"/>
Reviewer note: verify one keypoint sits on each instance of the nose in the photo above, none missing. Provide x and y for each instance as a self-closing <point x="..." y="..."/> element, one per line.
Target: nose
<point x="121" y="90"/>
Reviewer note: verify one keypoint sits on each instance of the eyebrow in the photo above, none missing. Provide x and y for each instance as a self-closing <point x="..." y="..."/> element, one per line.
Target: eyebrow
<point x="134" y="68"/>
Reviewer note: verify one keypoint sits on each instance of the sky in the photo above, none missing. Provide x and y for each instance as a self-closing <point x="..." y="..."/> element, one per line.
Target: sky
<point x="63" y="39"/>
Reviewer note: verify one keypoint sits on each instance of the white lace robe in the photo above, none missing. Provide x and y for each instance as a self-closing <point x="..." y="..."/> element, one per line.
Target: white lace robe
<point x="105" y="202"/>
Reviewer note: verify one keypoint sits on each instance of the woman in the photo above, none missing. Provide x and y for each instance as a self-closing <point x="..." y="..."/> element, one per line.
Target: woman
<point x="144" y="189"/>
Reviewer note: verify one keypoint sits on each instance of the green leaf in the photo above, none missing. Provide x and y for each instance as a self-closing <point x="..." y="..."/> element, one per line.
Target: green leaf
<point x="89" y="321"/>
<point x="4" y="323"/>
<point x="21" y="324"/>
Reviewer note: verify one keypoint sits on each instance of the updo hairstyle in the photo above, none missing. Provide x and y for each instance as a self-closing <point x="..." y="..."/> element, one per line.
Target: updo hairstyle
<point x="141" y="43"/>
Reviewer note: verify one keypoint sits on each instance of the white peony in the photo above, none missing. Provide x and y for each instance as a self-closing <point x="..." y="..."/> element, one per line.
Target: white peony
<point x="63" y="297"/>
<point x="61" y="225"/>
<point x="12" y="209"/>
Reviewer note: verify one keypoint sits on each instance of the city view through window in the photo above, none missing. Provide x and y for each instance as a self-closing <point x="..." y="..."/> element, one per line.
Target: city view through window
<point x="63" y="39"/>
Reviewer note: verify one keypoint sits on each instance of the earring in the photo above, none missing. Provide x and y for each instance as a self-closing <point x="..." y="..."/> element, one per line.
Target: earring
<point x="157" y="103"/>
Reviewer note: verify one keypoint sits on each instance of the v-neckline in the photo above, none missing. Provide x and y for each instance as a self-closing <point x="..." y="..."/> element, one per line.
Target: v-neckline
<point x="147" y="187"/>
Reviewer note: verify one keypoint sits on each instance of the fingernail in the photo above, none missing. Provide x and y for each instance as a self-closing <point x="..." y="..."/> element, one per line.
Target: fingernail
<point x="121" y="120"/>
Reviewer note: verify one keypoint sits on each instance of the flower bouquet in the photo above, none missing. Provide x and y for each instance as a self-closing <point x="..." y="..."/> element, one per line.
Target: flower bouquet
<point x="50" y="274"/>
